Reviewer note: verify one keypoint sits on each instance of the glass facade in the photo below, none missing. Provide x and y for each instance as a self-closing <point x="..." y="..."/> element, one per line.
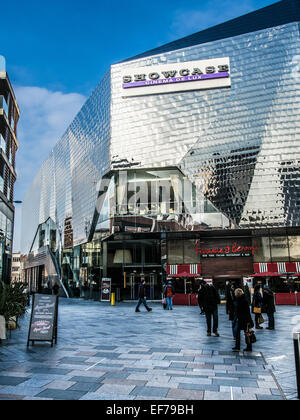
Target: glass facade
<point x="216" y="159"/>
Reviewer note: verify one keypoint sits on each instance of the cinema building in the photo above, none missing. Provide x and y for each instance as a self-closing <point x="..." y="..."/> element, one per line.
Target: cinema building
<point x="9" y="116"/>
<point x="184" y="163"/>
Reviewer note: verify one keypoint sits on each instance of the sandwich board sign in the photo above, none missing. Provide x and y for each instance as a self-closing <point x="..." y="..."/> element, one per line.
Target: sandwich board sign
<point x="43" y="321"/>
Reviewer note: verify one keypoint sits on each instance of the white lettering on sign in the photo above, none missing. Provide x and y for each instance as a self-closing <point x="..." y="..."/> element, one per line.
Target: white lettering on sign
<point x="176" y="77"/>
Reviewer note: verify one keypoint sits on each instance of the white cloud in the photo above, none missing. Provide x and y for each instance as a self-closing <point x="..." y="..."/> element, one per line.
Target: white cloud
<point x="45" y="115"/>
<point x="188" y="21"/>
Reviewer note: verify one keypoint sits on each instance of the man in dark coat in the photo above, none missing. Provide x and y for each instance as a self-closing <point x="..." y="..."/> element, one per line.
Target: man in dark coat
<point x="208" y="299"/>
<point x="231" y="306"/>
<point x="199" y="299"/>
<point x="257" y="302"/>
<point x="269" y="306"/>
<point x="244" y="320"/>
<point x="230" y="298"/>
<point x="141" y="296"/>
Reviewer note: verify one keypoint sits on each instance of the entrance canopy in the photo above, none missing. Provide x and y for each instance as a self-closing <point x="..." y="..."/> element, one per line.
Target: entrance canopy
<point x="184" y="270"/>
<point x="184" y="274"/>
<point x="267" y="274"/>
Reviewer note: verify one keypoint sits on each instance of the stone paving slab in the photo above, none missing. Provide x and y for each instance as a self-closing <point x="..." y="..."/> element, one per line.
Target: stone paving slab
<point x="73" y="370"/>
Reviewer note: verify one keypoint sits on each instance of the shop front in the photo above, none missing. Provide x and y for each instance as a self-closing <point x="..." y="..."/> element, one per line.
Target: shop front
<point x="129" y="260"/>
<point x="185" y="257"/>
<point x="185" y="279"/>
<point x="281" y="277"/>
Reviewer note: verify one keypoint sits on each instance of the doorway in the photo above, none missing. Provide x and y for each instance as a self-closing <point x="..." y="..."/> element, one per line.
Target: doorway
<point x="133" y="279"/>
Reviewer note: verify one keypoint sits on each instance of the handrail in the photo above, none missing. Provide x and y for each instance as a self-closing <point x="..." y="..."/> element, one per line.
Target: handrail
<point x="58" y="271"/>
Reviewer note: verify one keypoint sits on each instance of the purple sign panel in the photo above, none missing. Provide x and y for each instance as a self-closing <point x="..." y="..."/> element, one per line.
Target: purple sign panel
<point x="176" y="80"/>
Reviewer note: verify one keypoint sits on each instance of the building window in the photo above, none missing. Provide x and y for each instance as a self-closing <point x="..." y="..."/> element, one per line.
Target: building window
<point x="175" y="252"/>
<point x="189" y="252"/>
<point x="279" y="248"/>
<point x="261" y="249"/>
<point x="294" y="247"/>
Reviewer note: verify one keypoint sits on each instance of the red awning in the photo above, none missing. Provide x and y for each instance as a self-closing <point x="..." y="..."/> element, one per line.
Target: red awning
<point x="184" y="274"/>
<point x="267" y="274"/>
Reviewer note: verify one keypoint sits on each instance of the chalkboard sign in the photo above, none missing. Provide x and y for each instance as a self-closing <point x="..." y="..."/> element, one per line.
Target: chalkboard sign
<point x="43" y="321"/>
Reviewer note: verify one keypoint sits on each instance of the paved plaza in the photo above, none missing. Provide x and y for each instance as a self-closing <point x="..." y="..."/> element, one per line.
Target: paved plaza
<point x="113" y="353"/>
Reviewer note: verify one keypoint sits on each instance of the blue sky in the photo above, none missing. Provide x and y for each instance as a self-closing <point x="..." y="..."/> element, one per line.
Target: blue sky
<point x="56" y="53"/>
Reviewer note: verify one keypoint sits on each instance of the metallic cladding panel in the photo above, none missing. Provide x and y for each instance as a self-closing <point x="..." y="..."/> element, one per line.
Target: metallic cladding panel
<point x="65" y="186"/>
<point x="240" y="145"/>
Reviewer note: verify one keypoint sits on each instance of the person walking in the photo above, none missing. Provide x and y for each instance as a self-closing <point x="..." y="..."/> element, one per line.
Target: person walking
<point x="199" y="299"/>
<point x="231" y="306"/>
<point x="244" y="320"/>
<point x="142" y="297"/>
<point x="208" y="299"/>
<point x="269" y="306"/>
<point x="257" y="302"/>
<point x="230" y="298"/>
<point x="169" y="293"/>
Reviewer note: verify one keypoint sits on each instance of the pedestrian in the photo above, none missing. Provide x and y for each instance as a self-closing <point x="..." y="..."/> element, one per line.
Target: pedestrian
<point x="257" y="302"/>
<point x="169" y="293"/>
<point x="230" y="298"/>
<point x="208" y="299"/>
<point x="199" y="299"/>
<point x="55" y="289"/>
<point x="142" y="297"/>
<point x="269" y="306"/>
<point x="244" y="320"/>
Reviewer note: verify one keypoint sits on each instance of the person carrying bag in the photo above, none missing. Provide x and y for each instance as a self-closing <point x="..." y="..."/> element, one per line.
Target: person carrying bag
<point x="257" y="306"/>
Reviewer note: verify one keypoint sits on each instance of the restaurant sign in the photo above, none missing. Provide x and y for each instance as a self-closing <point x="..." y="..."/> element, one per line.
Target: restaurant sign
<point x="230" y="250"/>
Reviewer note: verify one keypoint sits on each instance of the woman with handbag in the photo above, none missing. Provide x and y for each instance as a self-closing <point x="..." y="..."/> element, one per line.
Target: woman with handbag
<point x="257" y="303"/>
<point x="244" y="321"/>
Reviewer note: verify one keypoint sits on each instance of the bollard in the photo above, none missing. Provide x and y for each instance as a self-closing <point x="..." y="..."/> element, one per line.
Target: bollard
<point x="296" y="337"/>
<point x="113" y="299"/>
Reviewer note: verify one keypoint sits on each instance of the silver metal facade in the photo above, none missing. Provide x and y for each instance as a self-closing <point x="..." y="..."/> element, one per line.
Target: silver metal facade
<point x="66" y="183"/>
<point x="240" y="146"/>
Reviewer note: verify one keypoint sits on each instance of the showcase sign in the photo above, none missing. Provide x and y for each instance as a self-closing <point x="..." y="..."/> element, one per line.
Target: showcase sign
<point x="232" y="250"/>
<point x="177" y="77"/>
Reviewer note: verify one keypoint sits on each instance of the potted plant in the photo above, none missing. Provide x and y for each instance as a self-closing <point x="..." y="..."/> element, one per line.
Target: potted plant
<point x="13" y="301"/>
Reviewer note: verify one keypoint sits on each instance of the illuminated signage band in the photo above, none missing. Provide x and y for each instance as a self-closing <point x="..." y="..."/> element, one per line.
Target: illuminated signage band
<point x="232" y="250"/>
<point x="176" y="77"/>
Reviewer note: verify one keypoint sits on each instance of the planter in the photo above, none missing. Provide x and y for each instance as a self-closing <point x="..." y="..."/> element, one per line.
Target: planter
<point x="2" y="328"/>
